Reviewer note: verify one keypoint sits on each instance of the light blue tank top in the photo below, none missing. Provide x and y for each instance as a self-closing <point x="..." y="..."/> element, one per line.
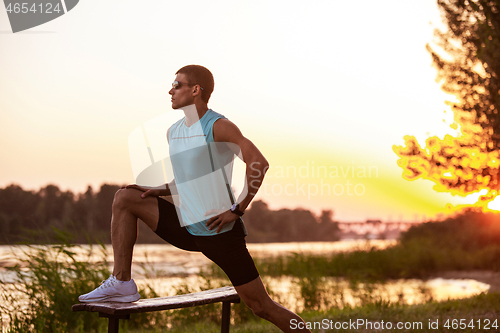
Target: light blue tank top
<point x="202" y="171"/>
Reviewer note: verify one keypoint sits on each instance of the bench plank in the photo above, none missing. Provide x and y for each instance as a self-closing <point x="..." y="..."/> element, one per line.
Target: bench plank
<point x="224" y="294"/>
<point x="116" y="310"/>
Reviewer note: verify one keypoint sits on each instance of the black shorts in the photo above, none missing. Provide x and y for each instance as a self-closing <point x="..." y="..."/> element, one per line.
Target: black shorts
<point x="228" y="249"/>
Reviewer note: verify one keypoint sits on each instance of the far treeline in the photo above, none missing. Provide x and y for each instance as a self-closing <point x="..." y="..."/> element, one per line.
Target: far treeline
<point x="32" y="216"/>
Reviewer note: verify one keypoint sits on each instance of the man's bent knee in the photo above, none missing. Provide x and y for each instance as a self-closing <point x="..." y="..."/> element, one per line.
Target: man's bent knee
<point x="124" y="197"/>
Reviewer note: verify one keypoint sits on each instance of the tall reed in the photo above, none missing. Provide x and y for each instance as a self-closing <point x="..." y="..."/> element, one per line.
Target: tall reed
<point x="47" y="280"/>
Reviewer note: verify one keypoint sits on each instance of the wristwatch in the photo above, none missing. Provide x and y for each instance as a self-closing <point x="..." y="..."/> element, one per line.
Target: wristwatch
<point x="235" y="208"/>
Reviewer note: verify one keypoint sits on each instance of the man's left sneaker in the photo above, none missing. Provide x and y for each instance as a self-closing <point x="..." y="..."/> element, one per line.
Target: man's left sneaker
<point x="112" y="290"/>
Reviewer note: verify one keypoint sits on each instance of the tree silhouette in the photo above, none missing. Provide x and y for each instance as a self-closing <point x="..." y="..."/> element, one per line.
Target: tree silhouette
<point x="84" y="209"/>
<point x="102" y="208"/>
<point x="55" y="207"/>
<point x="287" y="225"/>
<point x="472" y="75"/>
<point x="30" y="216"/>
<point x="467" y="58"/>
<point x="17" y="210"/>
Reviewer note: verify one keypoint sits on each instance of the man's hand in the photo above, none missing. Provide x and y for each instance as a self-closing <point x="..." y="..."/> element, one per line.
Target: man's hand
<point x="147" y="192"/>
<point x="221" y="219"/>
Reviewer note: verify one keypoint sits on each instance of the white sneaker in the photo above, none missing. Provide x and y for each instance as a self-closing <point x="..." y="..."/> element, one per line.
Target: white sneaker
<point x="113" y="290"/>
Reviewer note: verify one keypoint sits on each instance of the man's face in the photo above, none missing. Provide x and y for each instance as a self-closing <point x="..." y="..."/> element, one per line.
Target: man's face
<point x="182" y="95"/>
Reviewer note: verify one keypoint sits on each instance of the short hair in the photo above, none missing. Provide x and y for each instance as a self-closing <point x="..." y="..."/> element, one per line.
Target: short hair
<point x="200" y="75"/>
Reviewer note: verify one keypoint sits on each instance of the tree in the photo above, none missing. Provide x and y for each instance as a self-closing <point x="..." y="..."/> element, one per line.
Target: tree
<point x="17" y="211"/>
<point x="469" y="64"/>
<point x="287" y="225"/>
<point x="84" y="210"/>
<point x="328" y="229"/>
<point x="55" y="208"/>
<point x="102" y="207"/>
<point x="467" y="59"/>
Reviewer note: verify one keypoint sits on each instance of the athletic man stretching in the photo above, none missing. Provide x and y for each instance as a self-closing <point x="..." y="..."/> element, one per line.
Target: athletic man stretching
<point x="220" y="237"/>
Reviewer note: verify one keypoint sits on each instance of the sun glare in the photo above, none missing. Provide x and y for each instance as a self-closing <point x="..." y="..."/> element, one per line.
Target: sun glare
<point x="494" y="204"/>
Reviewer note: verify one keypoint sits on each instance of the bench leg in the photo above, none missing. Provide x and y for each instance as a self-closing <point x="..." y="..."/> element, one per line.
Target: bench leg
<point x="226" y="317"/>
<point x="113" y="325"/>
<point x="113" y="321"/>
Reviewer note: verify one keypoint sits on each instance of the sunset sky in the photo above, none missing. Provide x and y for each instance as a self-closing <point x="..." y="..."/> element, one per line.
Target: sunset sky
<point x="323" y="88"/>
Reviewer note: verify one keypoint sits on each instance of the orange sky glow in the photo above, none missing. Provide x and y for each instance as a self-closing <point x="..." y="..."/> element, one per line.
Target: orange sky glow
<point x="324" y="99"/>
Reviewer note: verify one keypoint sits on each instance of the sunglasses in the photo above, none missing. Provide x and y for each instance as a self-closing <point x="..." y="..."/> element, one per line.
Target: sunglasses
<point x="178" y="85"/>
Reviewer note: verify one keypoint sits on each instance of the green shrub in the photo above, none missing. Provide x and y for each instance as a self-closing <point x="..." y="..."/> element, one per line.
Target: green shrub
<point x="469" y="231"/>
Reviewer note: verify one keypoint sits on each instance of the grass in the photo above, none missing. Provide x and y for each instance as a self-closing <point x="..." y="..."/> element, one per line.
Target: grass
<point x="481" y="307"/>
<point x="48" y="280"/>
<point x="478" y="307"/>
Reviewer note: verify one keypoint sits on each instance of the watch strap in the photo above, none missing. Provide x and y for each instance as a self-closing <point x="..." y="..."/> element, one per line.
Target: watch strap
<point x="236" y="209"/>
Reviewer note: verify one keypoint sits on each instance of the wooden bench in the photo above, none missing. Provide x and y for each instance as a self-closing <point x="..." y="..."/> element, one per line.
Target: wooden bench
<point x="115" y="311"/>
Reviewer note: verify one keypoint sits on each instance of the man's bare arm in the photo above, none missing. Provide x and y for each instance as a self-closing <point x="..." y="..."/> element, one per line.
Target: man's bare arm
<point x="256" y="167"/>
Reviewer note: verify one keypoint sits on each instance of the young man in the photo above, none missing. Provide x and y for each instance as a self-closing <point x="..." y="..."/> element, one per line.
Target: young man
<point x="191" y="224"/>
